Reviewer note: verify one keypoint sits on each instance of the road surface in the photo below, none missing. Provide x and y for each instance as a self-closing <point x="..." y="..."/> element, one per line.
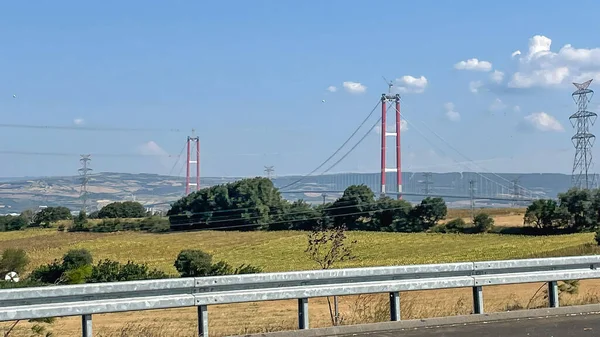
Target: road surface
<point x="558" y="326"/>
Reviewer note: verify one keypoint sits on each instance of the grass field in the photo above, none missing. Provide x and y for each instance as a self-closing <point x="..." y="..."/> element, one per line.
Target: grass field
<point x="283" y="251"/>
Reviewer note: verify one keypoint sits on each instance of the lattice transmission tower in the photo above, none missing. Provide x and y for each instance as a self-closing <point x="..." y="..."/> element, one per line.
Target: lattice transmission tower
<point x="583" y="140"/>
<point x="270" y="172"/>
<point x="83" y="172"/>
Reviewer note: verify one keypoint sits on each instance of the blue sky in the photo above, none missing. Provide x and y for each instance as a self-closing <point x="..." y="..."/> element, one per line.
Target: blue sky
<point x="251" y="76"/>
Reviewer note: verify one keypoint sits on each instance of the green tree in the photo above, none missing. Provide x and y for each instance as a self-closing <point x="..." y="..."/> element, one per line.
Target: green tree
<point x="427" y="214"/>
<point x="578" y="206"/>
<point x="483" y="223"/>
<point x="80" y="223"/>
<point x="298" y="215"/>
<point x="191" y="263"/>
<point x="391" y="215"/>
<point x="544" y="214"/>
<point x="76" y="258"/>
<point x="16" y="223"/>
<point x="354" y="209"/>
<point x="246" y="204"/>
<point x="52" y="214"/>
<point x="13" y="259"/>
<point x="127" y="209"/>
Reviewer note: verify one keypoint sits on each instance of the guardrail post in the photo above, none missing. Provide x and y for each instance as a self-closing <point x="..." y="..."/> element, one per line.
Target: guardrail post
<point x="477" y="300"/>
<point x="395" y="306"/>
<point x="86" y="326"/>
<point x="202" y="321"/>
<point x="303" y="313"/>
<point x="553" y="294"/>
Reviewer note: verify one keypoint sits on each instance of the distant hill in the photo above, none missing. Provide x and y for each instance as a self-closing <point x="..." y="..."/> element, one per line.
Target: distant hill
<point x="17" y="194"/>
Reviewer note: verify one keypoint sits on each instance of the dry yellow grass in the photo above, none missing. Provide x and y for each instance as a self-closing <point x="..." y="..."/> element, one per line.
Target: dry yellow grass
<point x="283" y="251"/>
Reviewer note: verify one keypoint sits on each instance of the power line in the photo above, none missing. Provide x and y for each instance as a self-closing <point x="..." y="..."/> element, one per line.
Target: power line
<point x="336" y="151"/>
<point x="65" y="154"/>
<point x="354" y="147"/>
<point x="284" y="221"/>
<point x="84" y="128"/>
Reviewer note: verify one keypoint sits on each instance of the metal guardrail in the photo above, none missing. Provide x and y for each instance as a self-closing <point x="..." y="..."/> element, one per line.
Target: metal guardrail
<point x="88" y="299"/>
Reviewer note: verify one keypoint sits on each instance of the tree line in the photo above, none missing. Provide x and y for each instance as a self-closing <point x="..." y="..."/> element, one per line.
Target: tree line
<point x="577" y="210"/>
<point x="255" y="204"/>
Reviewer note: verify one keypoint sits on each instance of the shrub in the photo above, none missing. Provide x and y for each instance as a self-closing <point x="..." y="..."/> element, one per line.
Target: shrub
<point x="61" y="227"/>
<point x="457" y="225"/>
<point x="155" y="224"/>
<point x="76" y="258"/>
<point x="13" y="260"/>
<point x="113" y="271"/>
<point x="483" y="223"/>
<point x="196" y="263"/>
<point x="49" y="273"/>
<point x="191" y="263"/>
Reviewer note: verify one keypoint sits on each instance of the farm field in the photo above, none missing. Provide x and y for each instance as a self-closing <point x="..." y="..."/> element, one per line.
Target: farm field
<point x="284" y="251"/>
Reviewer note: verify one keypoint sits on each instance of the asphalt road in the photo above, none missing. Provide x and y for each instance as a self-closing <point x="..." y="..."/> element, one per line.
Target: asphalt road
<point x="561" y="326"/>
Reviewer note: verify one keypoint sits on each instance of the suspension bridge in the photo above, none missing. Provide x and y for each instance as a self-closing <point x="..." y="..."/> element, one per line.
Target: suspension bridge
<point x="483" y="186"/>
<point x="471" y="184"/>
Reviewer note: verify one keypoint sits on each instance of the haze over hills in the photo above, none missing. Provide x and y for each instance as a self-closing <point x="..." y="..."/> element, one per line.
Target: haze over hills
<point x="158" y="191"/>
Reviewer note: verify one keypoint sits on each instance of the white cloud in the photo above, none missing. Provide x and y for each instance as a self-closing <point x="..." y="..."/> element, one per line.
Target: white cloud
<point x="542" y="67"/>
<point x="409" y="84"/>
<point x="403" y="127"/>
<point x="474" y="64"/>
<point x="543" y="122"/>
<point x="474" y="86"/>
<point x="354" y="87"/>
<point x="497" y="76"/>
<point x="451" y="114"/>
<point x="331" y="88"/>
<point x="78" y="121"/>
<point x="517" y="108"/>
<point x="497" y="105"/>
<point x="515" y="53"/>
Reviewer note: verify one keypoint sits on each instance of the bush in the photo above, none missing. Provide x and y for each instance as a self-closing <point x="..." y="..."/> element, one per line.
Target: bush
<point x="61" y="227"/>
<point x="52" y="214"/>
<point x="113" y="271"/>
<point x="155" y="224"/>
<point x="80" y="223"/>
<point x="457" y="225"/>
<point x="13" y="260"/>
<point x="191" y="263"/>
<point x="76" y="258"/>
<point x="48" y="274"/>
<point x="196" y="263"/>
<point x="483" y="223"/>
<point x="597" y="237"/>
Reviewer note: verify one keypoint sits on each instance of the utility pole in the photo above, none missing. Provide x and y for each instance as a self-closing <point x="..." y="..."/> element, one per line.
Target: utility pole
<point x="472" y="197"/>
<point x="269" y="171"/>
<point x="427" y="182"/>
<point x="83" y="172"/>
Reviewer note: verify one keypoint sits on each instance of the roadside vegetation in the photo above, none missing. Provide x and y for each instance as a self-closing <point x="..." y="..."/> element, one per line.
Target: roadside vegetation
<point x="247" y="227"/>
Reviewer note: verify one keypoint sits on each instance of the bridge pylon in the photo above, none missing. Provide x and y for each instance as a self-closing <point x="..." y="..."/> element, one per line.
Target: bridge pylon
<point x="391" y="99"/>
